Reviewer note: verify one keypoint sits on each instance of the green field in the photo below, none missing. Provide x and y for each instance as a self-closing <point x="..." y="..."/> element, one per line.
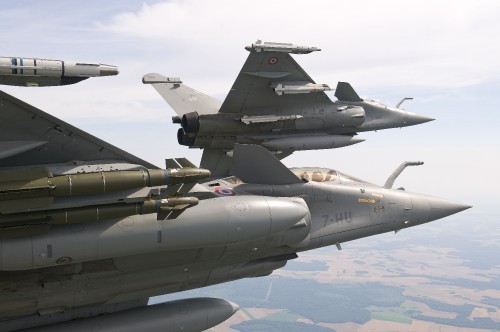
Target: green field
<point x="283" y="316"/>
<point x="391" y="314"/>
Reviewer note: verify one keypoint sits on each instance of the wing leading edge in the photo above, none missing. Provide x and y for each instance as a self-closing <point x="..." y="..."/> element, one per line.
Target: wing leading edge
<point x="255" y="91"/>
<point x="29" y="136"/>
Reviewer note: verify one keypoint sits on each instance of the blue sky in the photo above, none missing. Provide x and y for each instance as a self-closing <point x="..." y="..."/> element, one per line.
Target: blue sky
<point x="445" y="55"/>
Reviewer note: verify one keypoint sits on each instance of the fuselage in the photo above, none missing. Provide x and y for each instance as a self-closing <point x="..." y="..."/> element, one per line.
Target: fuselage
<point x="321" y="126"/>
<point x="223" y="238"/>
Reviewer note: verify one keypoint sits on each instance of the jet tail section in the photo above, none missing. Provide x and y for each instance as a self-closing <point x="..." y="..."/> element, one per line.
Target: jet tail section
<point x="256" y="165"/>
<point x="180" y="97"/>
<point x="345" y="92"/>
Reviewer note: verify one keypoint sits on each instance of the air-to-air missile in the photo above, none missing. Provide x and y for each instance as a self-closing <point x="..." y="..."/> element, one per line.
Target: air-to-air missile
<point x="27" y="196"/>
<point x="42" y="72"/>
<point x="39" y="181"/>
<point x="274" y="103"/>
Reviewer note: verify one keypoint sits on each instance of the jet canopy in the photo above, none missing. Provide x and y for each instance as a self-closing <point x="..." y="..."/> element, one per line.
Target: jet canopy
<point x="315" y="174"/>
<point x="319" y="174"/>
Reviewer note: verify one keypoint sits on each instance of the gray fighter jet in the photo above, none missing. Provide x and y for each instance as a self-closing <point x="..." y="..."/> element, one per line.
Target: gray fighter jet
<point x="34" y="72"/>
<point x="276" y="104"/>
<point x="89" y="232"/>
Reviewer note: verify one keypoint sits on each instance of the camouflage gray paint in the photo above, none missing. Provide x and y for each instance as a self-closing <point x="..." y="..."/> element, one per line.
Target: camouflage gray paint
<point x="275" y="103"/>
<point x="117" y="241"/>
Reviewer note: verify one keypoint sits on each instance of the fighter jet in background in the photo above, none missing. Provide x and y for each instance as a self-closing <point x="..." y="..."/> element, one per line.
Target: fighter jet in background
<point x="89" y="232"/>
<point x="276" y="104"/>
<point x="34" y="72"/>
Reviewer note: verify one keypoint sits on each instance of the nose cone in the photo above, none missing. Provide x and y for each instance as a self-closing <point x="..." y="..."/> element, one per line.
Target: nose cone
<point x="440" y="208"/>
<point x="428" y="208"/>
<point x="378" y="117"/>
<point x="415" y="119"/>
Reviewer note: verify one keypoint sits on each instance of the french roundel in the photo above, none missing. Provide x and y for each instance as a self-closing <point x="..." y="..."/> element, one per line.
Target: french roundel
<point x="272" y="61"/>
<point x="224" y="191"/>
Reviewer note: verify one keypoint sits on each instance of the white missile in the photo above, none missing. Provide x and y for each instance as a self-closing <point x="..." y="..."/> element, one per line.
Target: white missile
<point x="298" y="87"/>
<point x="42" y="72"/>
<point x="260" y="46"/>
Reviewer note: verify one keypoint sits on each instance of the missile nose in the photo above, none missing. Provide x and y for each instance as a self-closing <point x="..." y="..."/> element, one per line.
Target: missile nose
<point x="204" y="173"/>
<point x="440" y="208"/>
<point x="415" y="119"/>
<point x="108" y="70"/>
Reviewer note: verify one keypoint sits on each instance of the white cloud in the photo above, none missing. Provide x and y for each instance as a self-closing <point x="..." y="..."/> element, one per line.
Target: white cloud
<point x="436" y="51"/>
<point x="420" y="43"/>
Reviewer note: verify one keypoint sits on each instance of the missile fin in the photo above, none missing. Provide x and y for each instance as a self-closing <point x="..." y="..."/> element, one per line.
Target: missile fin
<point x="172" y="163"/>
<point x="185" y="163"/>
<point x="178" y="163"/>
<point x="169" y="215"/>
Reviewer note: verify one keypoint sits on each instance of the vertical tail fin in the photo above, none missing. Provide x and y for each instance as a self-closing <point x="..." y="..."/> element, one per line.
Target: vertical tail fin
<point x="345" y="92"/>
<point x="180" y="97"/>
<point x="255" y="164"/>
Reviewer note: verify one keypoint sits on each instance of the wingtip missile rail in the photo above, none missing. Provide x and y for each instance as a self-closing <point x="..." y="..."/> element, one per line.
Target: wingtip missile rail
<point x="260" y="46"/>
<point x="298" y="87"/>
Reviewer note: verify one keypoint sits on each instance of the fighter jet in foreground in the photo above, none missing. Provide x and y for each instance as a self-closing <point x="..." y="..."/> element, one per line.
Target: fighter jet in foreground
<point x="42" y="72"/>
<point x="89" y="232"/>
<point x="276" y="104"/>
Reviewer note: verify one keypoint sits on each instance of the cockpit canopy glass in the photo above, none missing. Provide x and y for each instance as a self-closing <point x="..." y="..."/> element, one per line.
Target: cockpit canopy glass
<point x="317" y="174"/>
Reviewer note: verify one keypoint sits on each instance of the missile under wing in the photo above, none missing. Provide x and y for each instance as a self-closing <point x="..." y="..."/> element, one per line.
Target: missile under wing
<point x="33" y="72"/>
